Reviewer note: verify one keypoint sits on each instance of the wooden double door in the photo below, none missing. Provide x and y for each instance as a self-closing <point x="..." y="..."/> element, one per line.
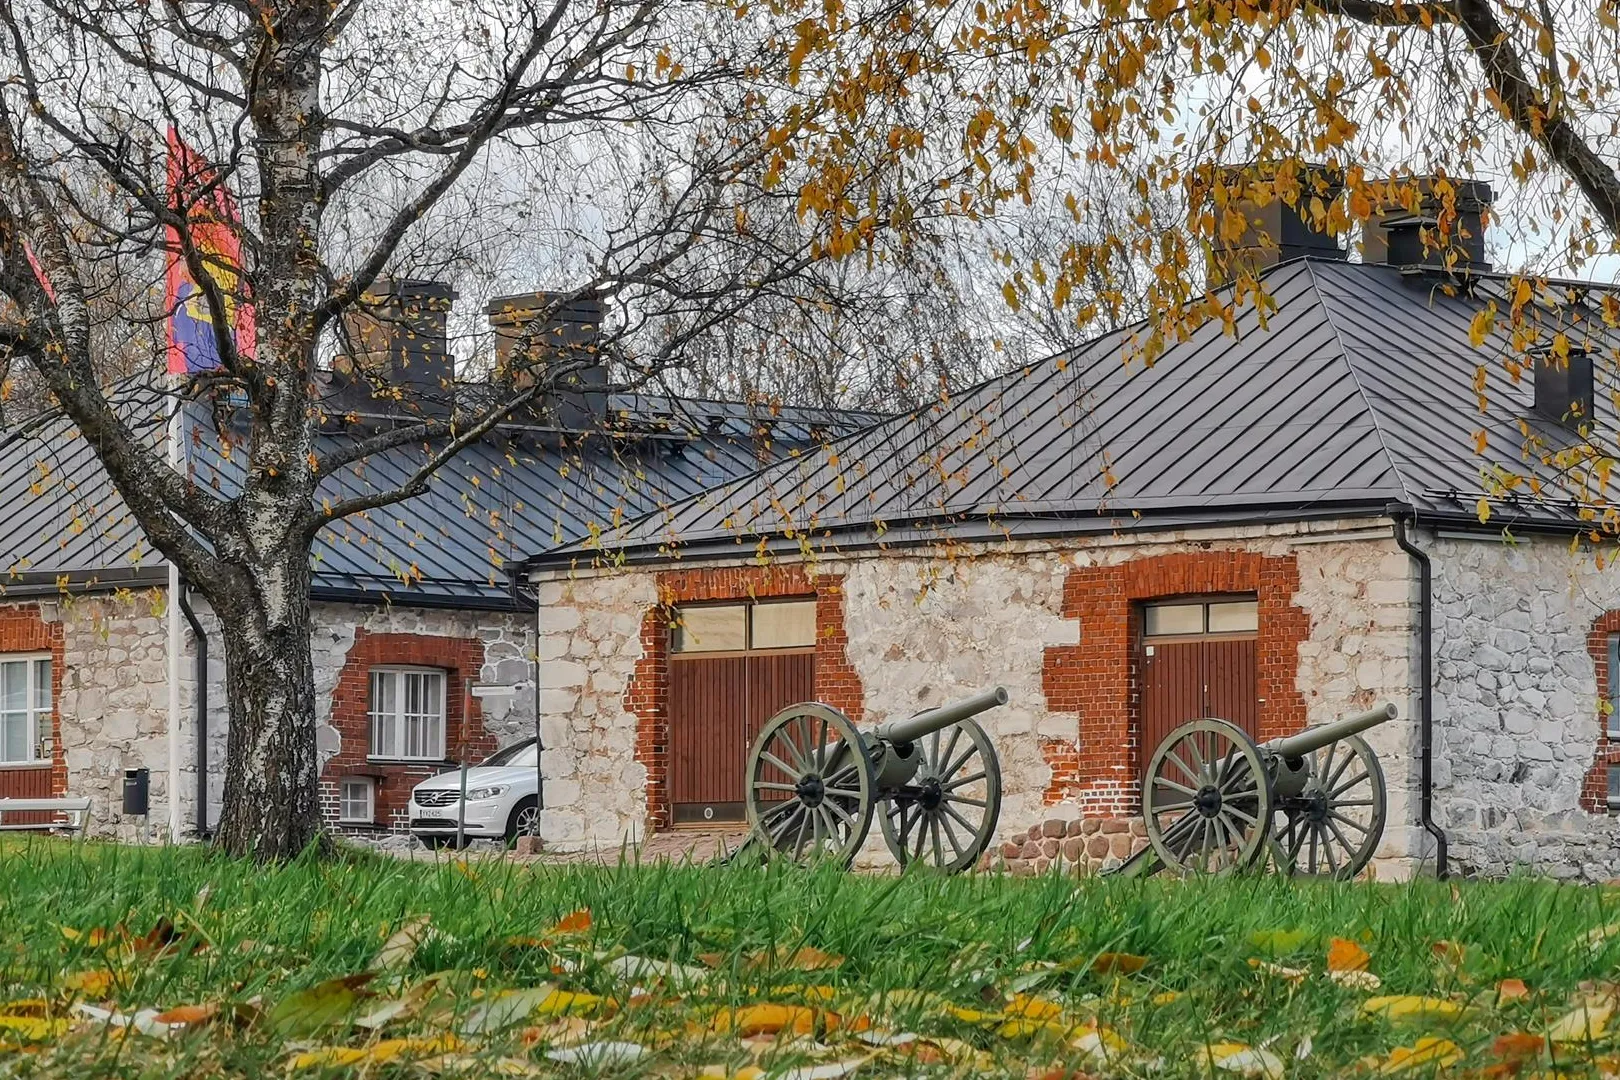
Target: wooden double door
<point x="1198" y="658"/>
<point x="720" y="697"/>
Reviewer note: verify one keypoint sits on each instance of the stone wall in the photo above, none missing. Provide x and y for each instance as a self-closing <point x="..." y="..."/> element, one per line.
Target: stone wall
<point x="923" y="628"/>
<point x="114" y="700"/>
<point x="1517" y="711"/>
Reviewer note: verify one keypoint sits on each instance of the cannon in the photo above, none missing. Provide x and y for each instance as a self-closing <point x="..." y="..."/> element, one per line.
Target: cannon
<point x="815" y="781"/>
<point x="1214" y="801"/>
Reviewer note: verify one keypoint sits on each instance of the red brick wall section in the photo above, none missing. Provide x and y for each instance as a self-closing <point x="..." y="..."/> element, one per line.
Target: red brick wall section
<point x="1097" y="679"/>
<point x="461" y="659"/>
<point x="1595" y="791"/>
<point x="23" y="629"/>
<point x="647" y="696"/>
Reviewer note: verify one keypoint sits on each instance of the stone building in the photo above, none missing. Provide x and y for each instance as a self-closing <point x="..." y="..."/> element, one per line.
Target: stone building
<point x="1260" y="525"/>
<point x="412" y="603"/>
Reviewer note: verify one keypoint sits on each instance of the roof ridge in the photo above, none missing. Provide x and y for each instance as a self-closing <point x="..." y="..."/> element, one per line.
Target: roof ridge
<point x="1355" y="380"/>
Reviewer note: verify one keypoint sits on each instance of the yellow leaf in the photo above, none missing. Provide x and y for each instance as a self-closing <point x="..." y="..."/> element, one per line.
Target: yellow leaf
<point x="1099" y="1043"/>
<point x="1165" y="998"/>
<point x="33" y="1028"/>
<point x="25" y="1007"/>
<point x="187" y="1015"/>
<point x="1586" y="1022"/>
<point x="1127" y="963"/>
<point x="95" y="984"/>
<point x="1022" y="1027"/>
<point x="1481" y="326"/>
<point x="562" y="1002"/>
<point x="1010" y="294"/>
<point x="1400" y="1006"/>
<point x="1483" y="508"/>
<point x="1426" y="1052"/>
<point x="765" y="1020"/>
<point x="397" y="1049"/>
<point x="1243" y="1060"/>
<point x="401" y="946"/>
<point x="326" y="1057"/>
<point x="1346" y="955"/>
<point x="1033" y="1008"/>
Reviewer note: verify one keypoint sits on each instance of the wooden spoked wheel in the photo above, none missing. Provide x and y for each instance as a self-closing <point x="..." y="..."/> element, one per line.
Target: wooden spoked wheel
<point x="810" y="785"/>
<point x="946" y="815"/>
<point x="1207" y="802"/>
<point x="1332" y="827"/>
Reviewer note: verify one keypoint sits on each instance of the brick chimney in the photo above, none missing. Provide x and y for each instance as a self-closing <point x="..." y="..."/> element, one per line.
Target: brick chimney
<point x="1564" y="385"/>
<point x="1400" y="236"/>
<point x="1275" y="231"/>
<point x="572" y="332"/>
<point x="398" y="337"/>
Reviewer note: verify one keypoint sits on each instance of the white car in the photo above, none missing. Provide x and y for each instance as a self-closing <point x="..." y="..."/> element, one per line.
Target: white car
<point x="502" y="799"/>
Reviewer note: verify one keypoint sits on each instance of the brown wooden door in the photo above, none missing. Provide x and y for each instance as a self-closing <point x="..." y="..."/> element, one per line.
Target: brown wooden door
<point x="1186" y="676"/>
<point x="717" y="706"/>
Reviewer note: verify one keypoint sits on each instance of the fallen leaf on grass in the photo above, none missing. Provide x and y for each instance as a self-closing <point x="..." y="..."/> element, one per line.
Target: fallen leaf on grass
<point x="1517" y="1047"/>
<point x="187" y="1015"/>
<point x="1598" y="935"/>
<point x="1243" y="1060"/>
<point x="575" y="922"/>
<point x="1356" y="980"/>
<point x="33" y="1028"/>
<point x="1033" y="1008"/>
<point x="1292" y="974"/>
<point x="641" y="969"/>
<point x="476" y="1065"/>
<point x="402" y="944"/>
<point x="1125" y="963"/>
<point x="804" y="958"/>
<point x="598" y="1055"/>
<point x="832" y="1070"/>
<point x="505" y="1010"/>
<point x="1512" y="990"/>
<point x="382" y="1053"/>
<point x="1586" y="1022"/>
<point x="1280" y="942"/>
<point x="1345" y="955"/>
<point x="95" y="984"/>
<point x="1427" y="1053"/>
<point x="25" y="1007"/>
<point x="1100" y="1044"/>
<point x="1402" y="1006"/>
<point x="722" y="1072"/>
<point x="765" y="1020"/>
<point x="321" y="1005"/>
<point x="1450" y="953"/>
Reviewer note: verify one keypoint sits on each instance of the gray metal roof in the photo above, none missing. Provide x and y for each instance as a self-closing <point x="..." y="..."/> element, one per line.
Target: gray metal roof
<point x="1357" y="393"/>
<point x="500" y="500"/>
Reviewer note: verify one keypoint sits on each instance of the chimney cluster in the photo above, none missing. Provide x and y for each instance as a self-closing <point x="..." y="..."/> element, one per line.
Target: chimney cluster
<point x="1276" y="231"/>
<point x="399" y="354"/>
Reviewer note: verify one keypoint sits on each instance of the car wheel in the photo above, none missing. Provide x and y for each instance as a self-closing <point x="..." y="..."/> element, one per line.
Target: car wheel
<point x="523" y="818"/>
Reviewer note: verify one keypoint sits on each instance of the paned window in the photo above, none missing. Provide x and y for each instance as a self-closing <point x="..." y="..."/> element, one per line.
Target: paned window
<point x="25" y="706"/>
<point x="357" y="804"/>
<point x="1236" y="616"/>
<point x="407" y="714"/>
<point x="709" y="628"/>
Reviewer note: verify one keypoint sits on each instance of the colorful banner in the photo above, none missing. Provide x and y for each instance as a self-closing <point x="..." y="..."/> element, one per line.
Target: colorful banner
<point x="215" y="232"/>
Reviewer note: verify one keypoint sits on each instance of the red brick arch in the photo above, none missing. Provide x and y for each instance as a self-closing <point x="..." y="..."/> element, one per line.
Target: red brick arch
<point x="1097" y="679"/>
<point x="647" y="695"/>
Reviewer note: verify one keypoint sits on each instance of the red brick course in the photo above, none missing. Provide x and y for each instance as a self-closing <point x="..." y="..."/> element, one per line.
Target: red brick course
<point x="647" y="695"/>
<point x="461" y="659"/>
<point x="1098" y="678"/>
<point x="1595" y="790"/>
<point x="23" y="629"/>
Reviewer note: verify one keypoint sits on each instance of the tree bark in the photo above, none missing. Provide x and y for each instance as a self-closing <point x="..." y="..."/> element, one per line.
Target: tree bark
<point x="272" y="809"/>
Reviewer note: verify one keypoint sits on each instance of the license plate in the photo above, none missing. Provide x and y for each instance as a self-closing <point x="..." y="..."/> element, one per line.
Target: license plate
<point x="440" y="812"/>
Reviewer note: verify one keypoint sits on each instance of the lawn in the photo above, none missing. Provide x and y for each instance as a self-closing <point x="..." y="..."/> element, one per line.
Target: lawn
<point x="387" y="968"/>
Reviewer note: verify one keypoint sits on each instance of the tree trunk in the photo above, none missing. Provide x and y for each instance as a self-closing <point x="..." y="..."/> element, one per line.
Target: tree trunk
<point x="272" y="809"/>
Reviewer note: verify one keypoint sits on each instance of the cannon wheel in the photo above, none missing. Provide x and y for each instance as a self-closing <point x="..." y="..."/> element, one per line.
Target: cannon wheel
<point x="1208" y="800"/>
<point x="810" y="785"/>
<point x="955" y="793"/>
<point x="1334" y="825"/>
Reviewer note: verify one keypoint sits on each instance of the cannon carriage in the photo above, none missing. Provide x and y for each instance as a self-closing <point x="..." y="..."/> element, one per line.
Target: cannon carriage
<point x="1313" y="803"/>
<point x="814" y="783"/>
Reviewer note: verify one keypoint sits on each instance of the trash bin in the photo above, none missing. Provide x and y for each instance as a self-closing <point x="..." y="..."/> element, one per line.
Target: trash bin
<point x="137" y="789"/>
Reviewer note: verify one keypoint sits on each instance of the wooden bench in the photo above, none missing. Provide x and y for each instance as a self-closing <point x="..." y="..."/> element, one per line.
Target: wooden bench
<point x="77" y="809"/>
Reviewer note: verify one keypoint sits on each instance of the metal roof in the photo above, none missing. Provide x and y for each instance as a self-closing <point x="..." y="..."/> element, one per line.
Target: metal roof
<point x="522" y="489"/>
<point x="1357" y="392"/>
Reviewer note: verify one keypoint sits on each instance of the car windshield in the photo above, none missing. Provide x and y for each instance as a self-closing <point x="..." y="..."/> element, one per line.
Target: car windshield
<point x="518" y="754"/>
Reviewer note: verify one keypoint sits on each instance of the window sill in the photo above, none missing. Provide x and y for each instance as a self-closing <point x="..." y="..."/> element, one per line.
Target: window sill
<point x="369" y="823"/>
<point x="36" y="763"/>
<point x="427" y="762"/>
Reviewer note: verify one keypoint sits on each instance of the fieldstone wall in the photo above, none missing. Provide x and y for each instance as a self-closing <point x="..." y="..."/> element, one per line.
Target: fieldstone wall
<point x="925" y="628"/>
<point x="1517" y="708"/>
<point x="1076" y="845"/>
<point x="115" y="705"/>
<point x="589" y="642"/>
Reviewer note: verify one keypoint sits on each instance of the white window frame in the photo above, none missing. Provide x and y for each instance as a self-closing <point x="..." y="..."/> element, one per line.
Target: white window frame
<point x="398" y="716"/>
<point x="35" y="713"/>
<point x="370" y="786"/>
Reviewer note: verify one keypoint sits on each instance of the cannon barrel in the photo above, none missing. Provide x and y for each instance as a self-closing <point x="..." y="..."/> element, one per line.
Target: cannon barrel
<point x="1313" y="739"/>
<point x="913" y="728"/>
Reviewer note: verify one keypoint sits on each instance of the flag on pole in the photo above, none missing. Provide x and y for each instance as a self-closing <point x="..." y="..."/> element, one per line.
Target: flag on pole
<point x="215" y="230"/>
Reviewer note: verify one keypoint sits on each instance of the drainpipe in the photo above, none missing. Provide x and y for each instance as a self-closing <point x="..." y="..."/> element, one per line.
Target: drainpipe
<point x="1426" y="678"/>
<point x="200" y="676"/>
<point x="534" y="688"/>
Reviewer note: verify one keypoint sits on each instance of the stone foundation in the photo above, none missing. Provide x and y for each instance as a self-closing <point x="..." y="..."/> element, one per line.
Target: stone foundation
<point x="1075" y="845"/>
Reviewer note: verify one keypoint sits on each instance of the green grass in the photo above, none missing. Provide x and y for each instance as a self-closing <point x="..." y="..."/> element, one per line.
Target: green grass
<point x="261" y="935"/>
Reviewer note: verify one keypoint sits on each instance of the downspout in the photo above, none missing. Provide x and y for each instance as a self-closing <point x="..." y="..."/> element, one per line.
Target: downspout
<point x="534" y="688"/>
<point x="1426" y="678"/>
<point x="200" y="676"/>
